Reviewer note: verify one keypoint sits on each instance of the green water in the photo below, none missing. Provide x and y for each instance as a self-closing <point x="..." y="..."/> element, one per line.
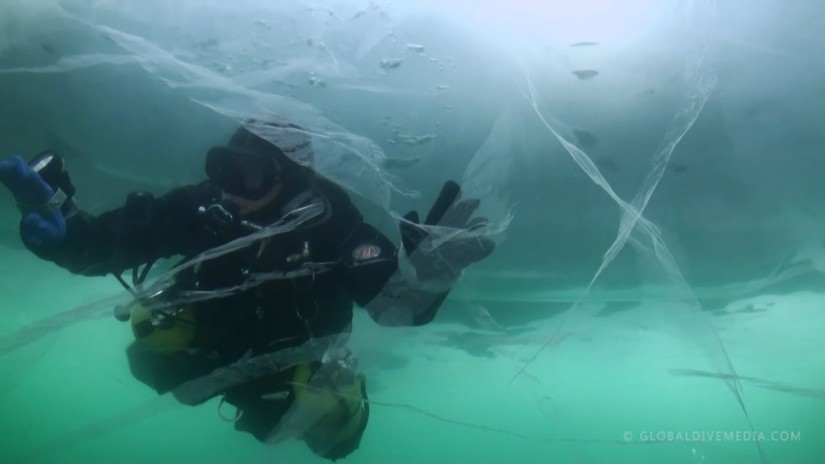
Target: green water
<point x="604" y="395"/>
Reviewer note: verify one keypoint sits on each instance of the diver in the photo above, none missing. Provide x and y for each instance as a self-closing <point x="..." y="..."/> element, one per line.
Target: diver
<point x="324" y="262"/>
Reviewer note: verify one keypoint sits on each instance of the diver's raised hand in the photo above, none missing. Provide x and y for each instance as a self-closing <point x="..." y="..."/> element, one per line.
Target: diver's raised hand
<point x="42" y="227"/>
<point x="24" y="183"/>
<point x="446" y="244"/>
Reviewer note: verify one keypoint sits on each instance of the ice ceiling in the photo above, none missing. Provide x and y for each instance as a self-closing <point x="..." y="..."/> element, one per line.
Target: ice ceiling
<point x="616" y="145"/>
<point x="688" y="112"/>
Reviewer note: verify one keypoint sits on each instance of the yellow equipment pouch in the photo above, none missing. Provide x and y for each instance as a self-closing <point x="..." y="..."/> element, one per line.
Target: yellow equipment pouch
<point x="163" y="331"/>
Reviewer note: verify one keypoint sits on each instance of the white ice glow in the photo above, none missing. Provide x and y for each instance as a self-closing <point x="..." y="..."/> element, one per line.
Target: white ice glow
<point x="557" y="21"/>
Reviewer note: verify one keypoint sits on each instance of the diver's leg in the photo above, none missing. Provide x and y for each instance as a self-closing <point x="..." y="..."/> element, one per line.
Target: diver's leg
<point x="261" y="404"/>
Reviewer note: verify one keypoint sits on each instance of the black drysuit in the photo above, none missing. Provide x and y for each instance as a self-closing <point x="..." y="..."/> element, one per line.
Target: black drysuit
<point x="264" y="318"/>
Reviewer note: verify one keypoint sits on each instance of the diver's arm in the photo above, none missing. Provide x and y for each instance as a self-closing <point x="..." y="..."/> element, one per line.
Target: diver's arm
<point x="374" y="276"/>
<point x="143" y="230"/>
<point x="404" y="300"/>
<point x="426" y="266"/>
<point x="384" y="281"/>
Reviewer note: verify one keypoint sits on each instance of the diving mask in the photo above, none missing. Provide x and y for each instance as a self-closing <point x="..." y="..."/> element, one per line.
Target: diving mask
<point x="242" y="172"/>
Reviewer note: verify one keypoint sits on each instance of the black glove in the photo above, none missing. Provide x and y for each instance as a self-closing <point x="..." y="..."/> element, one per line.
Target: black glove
<point x="447" y="259"/>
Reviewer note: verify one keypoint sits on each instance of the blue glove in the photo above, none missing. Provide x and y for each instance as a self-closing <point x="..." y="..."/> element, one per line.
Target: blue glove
<point x="42" y="228"/>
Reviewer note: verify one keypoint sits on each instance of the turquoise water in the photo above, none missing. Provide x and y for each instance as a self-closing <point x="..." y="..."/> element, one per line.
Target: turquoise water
<point x="69" y="397"/>
<point x="652" y="172"/>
